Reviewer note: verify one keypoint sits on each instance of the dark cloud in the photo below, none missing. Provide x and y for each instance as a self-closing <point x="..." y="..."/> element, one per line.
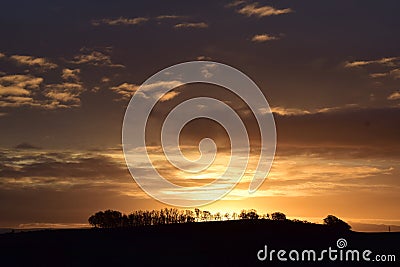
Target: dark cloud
<point x="354" y="127"/>
<point x="62" y="166"/>
<point x="25" y="146"/>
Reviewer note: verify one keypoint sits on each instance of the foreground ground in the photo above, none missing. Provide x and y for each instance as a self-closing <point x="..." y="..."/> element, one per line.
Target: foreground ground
<point x="229" y="243"/>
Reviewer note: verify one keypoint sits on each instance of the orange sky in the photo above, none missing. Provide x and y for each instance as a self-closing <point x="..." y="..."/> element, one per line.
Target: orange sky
<point x="330" y="72"/>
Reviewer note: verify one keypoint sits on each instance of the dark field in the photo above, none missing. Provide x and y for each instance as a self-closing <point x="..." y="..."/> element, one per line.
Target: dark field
<point x="228" y="243"/>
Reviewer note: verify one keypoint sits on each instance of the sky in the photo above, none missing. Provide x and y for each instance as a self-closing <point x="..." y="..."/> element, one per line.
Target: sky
<point x="330" y="71"/>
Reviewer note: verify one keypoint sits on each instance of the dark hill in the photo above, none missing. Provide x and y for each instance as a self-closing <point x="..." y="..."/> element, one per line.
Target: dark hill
<point x="228" y="243"/>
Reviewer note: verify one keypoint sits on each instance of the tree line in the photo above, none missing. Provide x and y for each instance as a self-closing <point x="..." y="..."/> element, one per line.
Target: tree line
<point x="116" y="219"/>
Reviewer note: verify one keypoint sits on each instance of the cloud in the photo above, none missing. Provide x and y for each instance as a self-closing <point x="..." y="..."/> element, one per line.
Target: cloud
<point x="95" y="58"/>
<point x="260" y="38"/>
<point x="395" y="73"/>
<point x="58" y="169"/>
<point x="27" y="90"/>
<point x="25" y="145"/>
<point x="139" y="20"/>
<point x="208" y="70"/>
<point x="17" y="101"/>
<point x="105" y="80"/>
<point x="18" y="85"/>
<point x="33" y="61"/>
<point x="262" y="11"/>
<point x="235" y="3"/>
<point x="163" y="84"/>
<point x="71" y="74"/>
<point x="337" y="108"/>
<point x="9" y="90"/>
<point x="126" y="90"/>
<point x="394" y="96"/>
<point x="51" y="225"/>
<point x="191" y="25"/>
<point x="41" y="177"/>
<point x="119" y="21"/>
<point x="170" y="17"/>
<point x="388" y="61"/>
<point x="66" y="94"/>
<point x="168" y="96"/>
<point x="2" y="55"/>
<point x="287" y="111"/>
<point x="378" y="75"/>
<point x="203" y="58"/>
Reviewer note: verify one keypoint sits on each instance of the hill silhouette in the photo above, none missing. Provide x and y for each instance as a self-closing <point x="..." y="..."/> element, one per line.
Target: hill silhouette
<point x="215" y="243"/>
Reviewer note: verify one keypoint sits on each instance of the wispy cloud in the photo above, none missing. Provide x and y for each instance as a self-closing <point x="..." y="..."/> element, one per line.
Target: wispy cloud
<point x="260" y="38"/>
<point x="388" y="61"/>
<point x="203" y="58"/>
<point x="95" y="58"/>
<point x="288" y="111"/>
<point x="119" y="21"/>
<point x="105" y="80"/>
<point x="191" y="25"/>
<point x="395" y="73"/>
<point x="133" y="21"/>
<point x="66" y="94"/>
<point x="394" y="96"/>
<point x="168" y="96"/>
<point x="389" y="67"/>
<point x="256" y="10"/>
<point x="125" y="90"/>
<point x="235" y="3"/>
<point x="17" y="101"/>
<point x="2" y="55"/>
<point x="378" y="75"/>
<point x="170" y="17"/>
<point x="139" y="20"/>
<point x="33" y="61"/>
<point x="25" y="146"/>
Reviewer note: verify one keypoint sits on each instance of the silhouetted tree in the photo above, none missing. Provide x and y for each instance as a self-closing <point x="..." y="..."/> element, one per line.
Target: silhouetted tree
<point x="278" y="216"/>
<point x="243" y="215"/>
<point x="248" y="215"/>
<point x="96" y="219"/>
<point x="227" y="216"/>
<point x="265" y="216"/>
<point x="189" y="216"/>
<point x="106" y="219"/>
<point x="198" y="212"/>
<point x="336" y="223"/>
<point x="114" y="219"/>
<point x="234" y="215"/>
<point x="206" y="215"/>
